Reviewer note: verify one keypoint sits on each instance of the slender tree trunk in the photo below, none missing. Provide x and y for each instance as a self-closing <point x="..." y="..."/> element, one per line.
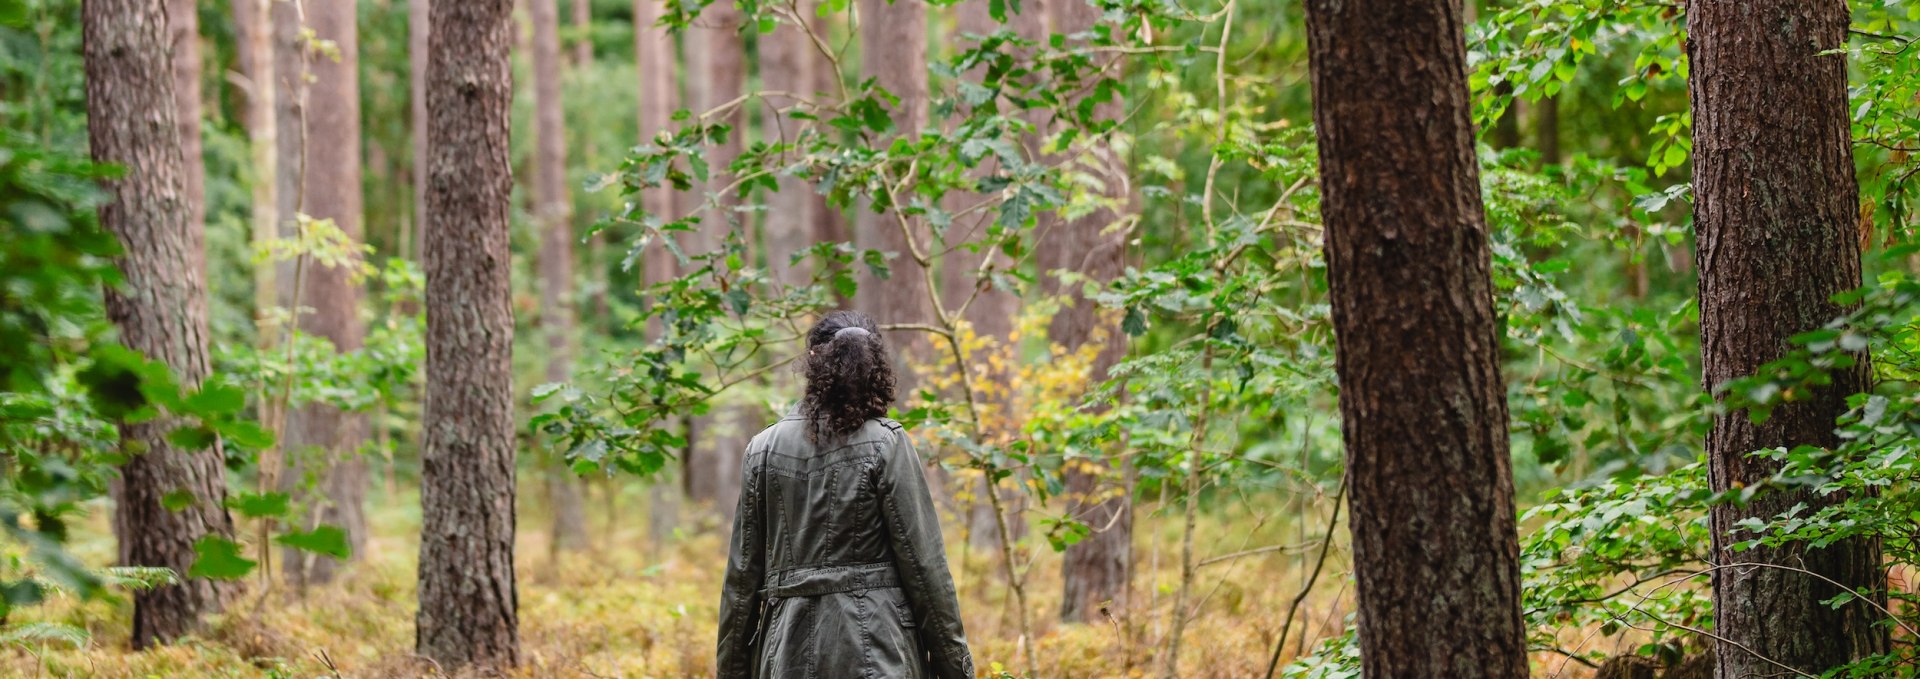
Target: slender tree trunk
<point x="331" y="179"/>
<point x="789" y="62"/>
<point x="1776" y="212"/>
<point x="1095" y="571"/>
<point x="160" y="306"/>
<point x="659" y="90"/>
<point x="254" y="20"/>
<point x="893" y="40"/>
<point x="1423" y="407"/>
<point x="717" y="66"/>
<point x="417" y="13"/>
<point x="185" y="18"/>
<point x="468" y="600"/>
<point x="583" y="22"/>
<point x="1546" y="128"/>
<point x="553" y="212"/>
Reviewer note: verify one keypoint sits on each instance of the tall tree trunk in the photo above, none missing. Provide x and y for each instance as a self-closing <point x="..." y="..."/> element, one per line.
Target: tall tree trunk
<point x="1776" y="211"/>
<point x="417" y="21"/>
<point x="185" y="18"/>
<point x="893" y="43"/>
<point x="1095" y="570"/>
<point x="468" y="601"/>
<point x="659" y="90"/>
<point x="1546" y="128"/>
<point x="717" y="66"/>
<point x="789" y="63"/>
<point x="1423" y="407"/>
<point x="253" y="20"/>
<point x="553" y="212"/>
<point x="583" y="22"/>
<point x="331" y="186"/>
<point x="160" y="306"/>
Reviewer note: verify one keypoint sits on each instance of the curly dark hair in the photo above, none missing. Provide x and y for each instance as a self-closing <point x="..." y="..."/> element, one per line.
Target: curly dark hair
<point x="849" y="376"/>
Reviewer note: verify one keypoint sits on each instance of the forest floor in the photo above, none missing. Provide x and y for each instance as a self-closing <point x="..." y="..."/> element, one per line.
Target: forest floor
<point x="626" y="608"/>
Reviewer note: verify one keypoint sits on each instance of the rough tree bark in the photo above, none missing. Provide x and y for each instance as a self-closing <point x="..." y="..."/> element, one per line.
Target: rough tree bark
<point x="331" y="181"/>
<point x="553" y="213"/>
<point x="468" y="601"/>
<point x="893" y="40"/>
<point x="1095" y="570"/>
<point x="1423" y="407"/>
<point x="1776" y="212"/>
<point x="659" y="90"/>
<point x="160" y="306"/>
<point x="717" y="68"/>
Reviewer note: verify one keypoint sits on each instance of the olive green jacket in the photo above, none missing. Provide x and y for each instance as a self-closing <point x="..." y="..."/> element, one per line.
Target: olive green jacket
<point x="836" y="567"/>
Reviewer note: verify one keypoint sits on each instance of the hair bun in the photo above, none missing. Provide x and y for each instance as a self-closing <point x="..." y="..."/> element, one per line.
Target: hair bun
<point x="851" y="331"/>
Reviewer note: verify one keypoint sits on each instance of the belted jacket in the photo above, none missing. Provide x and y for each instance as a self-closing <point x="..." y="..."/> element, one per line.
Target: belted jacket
<point x="836" y="567"/>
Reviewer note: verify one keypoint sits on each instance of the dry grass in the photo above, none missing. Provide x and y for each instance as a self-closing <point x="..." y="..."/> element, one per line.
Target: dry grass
<point x="627" y="610"/>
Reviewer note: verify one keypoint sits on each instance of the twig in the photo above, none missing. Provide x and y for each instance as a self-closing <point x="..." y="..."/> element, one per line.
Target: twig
<point x="1326" y="544"/>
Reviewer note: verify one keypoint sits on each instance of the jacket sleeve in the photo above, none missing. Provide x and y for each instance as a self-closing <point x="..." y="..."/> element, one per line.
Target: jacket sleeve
<point x="746" y="568"/>
<point x="920" y="556"/>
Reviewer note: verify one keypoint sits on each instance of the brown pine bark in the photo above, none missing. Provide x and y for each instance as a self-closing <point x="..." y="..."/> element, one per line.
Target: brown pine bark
<point x="321" y="436"/>
<point x="893" y="40"/>
<point x="1095" y="571"/>
<point x="468" y="602"/>
<point x="717" y="67"/>
<point x="1776" y="209"/>
<point x="582" y="22"/>
<point x="553" y="213"/>
<point x="1422" y="403"/>
<point x="253" y="25"/>
<point x="160" y="307"/>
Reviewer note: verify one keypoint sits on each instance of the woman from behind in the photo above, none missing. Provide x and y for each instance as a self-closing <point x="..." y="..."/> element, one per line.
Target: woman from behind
<point x="837" y="567"/>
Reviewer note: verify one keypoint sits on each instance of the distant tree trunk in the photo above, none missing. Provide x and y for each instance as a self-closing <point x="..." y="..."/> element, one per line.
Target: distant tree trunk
<point x="332" y="189"/>
<point x="553" y="211"/>
<point x="185" y="18"/>
<point x="1776" y="211"/>
<point x="583" y="22"/>
<point x="1096" y="570"/>
<point x="417" y="21"/>
<point x="789" y="62"/>
<point x="468" y="601"/>
<point x="1546" y="127"/>
<point x="160" y="306"/>
<point x="253" y="20"/>
<point x="659" y="95"/>
<point x="1422" y="403"/>
<point x="893" y="36"/>
<point x="717" y="62"/>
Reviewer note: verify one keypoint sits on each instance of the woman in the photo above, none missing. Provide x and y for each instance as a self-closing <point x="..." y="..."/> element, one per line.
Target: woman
<point x="837" y="568"/>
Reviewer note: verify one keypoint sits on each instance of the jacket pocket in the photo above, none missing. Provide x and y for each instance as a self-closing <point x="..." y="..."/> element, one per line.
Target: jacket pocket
<point x="904" y="612"/>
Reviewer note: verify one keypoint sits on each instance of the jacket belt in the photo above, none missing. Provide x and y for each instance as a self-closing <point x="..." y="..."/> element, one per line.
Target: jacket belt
<point x="819" y="580"/>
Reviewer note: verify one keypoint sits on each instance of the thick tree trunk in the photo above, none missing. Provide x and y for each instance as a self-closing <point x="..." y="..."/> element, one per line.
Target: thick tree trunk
<point x="322" y="436"/>
<point x="1776" y="213"/>
<point x="893" y="37"/>
<point x="553" y="212"/>
<point x="417" y="23"/>
<point x="1423" y="407"/>
<point x="789" y="63"/>
<point x="468" y="601"/>
<point x="1094" y="571"/>
<point x="717" y="67"/>
<point x="160" y="307"/>
<point x="184" y="16"/>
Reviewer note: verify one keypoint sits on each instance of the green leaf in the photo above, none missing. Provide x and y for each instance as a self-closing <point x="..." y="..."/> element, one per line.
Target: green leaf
<point x="328" y="540"/>
<point x="192" y="438"/>
<point x="213" y="400"/>
<point x="177" y="500"/>
<point x="258" y="505"/>
<point x="219" y="558"/>
<point x="246" y="433"/>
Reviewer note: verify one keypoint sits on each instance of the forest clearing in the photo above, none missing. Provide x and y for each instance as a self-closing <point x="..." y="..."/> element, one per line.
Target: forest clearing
<point x="959" y="338"/>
